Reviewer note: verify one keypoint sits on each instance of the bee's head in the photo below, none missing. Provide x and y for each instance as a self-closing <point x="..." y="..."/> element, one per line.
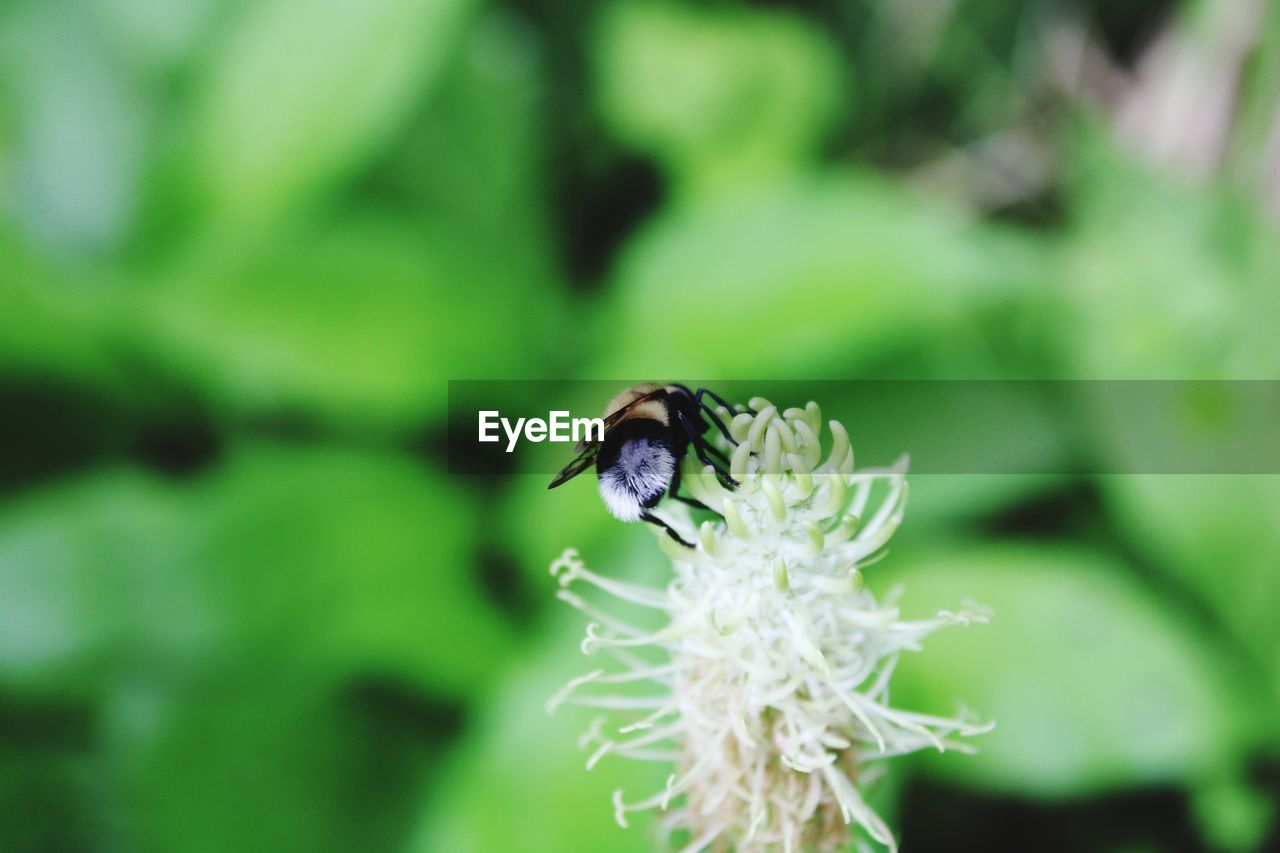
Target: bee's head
<point x="635" y="466"/>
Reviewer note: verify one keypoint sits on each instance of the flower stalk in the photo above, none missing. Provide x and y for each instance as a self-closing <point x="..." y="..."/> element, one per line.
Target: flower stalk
<point x="767" y="684"/>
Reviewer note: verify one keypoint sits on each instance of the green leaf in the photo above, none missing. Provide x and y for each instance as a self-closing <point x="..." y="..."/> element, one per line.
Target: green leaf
<point x="45" y="780"/>
<point x="957" y="501"/>
<point x="975" y="448"/>
<point x="517" y="780"/>
<point x="326" y="561"/>
<point x="1167" y="280"/>
<point x="302" y="92"/>
<point x="1162" y="279"/>
<point x="539" y="524"/>
<point x="803" y="279"/>
<point x="486" y="111"/>
<point x="358" y="325"/>
<point x="55" y="323"/>
<point x="350" y="561"/>
<point x="1093" y="685"/>
<point x="1233" y="815"/>
<point x="720" y="95"/>
<point x="87" y="587"/>
<point x="1216" y="534"/>
<point x="250" y="769"/>
<point x="79" y="126"/>
<point x="262" y="761"/>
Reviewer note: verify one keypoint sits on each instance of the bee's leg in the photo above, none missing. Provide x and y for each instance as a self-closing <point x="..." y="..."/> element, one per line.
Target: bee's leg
<point x="693" y="502"/>
<point x="700" y="446"/>
<point x="717" y="453"/>
<point x="721" y="473"/>
<point x="714" y="396"/>
<point x="653" y="519"/>
<point x="711" y="413"/>
<point x="675" y="487"/>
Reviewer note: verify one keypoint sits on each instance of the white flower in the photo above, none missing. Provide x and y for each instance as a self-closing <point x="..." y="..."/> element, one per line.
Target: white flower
<point x="768" y="684"/>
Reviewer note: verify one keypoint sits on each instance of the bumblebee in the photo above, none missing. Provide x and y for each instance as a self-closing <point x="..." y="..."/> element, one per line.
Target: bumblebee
<point x="648" y="430"/>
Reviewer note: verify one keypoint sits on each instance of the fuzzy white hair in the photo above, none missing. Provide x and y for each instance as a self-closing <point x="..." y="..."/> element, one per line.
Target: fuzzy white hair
<point x="644" y="468"/>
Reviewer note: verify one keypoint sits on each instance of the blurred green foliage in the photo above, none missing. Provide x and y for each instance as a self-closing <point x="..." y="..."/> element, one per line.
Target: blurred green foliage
<point x="243" y="246"/>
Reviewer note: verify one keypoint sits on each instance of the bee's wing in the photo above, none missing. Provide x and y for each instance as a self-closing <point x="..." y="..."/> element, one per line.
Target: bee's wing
<point x="613" y="417"/>
<point x="588" y="450"/>
<point x="582" y="462"/>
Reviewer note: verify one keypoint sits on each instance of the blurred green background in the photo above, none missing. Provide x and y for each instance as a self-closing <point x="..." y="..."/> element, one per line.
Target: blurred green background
<point x="244" y="245"/>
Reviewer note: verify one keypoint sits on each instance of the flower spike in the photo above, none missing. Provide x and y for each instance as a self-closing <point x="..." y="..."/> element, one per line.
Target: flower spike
<point x="768" y="687"/>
